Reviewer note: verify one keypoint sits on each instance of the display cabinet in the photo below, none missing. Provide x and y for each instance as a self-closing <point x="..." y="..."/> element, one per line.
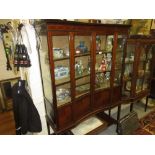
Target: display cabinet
<point x="83" y="74"/>
<point x="138" y="69"/>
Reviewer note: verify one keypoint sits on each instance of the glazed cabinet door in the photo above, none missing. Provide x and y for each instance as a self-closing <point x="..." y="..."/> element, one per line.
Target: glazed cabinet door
<point x="148" y="67"/>
<point x="118" y="66"/>
<point x="128" y="75"/>
<point x="103" y="66"/>
<point x="141" y="68"/>
<point x="61" y="78"/>
<point x="82" y="73"/>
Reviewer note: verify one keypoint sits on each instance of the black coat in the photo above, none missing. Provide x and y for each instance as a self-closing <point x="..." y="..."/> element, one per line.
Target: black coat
<point x="25" y="113"/>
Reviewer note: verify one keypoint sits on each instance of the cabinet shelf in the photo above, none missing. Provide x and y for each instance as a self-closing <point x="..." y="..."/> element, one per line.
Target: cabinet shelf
<point x="127" y="79"/>
<point x="97" y="72"/>
<point x="100" y="52"/>
<point x="81" y="55"/>
<point x="64" y="102"/>
<point x="62" y="81"/>
<point x="129" y="62"/>
<point x="59" y="59"/>
<point x="83" y="84"/>
<point x="82" y="76"/>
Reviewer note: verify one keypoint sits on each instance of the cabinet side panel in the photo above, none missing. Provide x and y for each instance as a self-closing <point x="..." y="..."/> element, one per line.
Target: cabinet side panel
<point x="49" y="112"/>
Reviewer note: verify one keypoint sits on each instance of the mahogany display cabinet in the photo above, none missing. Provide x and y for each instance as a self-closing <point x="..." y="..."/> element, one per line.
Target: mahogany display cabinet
<point x="81" y="70"/>
<point x="138" y="68"/>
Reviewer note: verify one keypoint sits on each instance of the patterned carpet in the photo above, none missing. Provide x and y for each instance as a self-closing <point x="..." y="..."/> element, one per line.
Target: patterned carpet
<point x="147" y="125"/>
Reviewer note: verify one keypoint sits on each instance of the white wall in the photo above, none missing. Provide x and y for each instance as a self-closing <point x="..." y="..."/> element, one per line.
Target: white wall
<point x="4" y="74"/>
<point x="34" y="76"/>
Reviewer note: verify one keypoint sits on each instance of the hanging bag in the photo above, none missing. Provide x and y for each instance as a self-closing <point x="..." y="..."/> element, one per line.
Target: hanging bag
<point x="21" y="57"/>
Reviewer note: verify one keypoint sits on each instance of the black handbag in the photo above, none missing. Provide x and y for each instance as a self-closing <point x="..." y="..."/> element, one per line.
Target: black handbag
<point x="128" y="124"/>
<point x="21" y="57"/>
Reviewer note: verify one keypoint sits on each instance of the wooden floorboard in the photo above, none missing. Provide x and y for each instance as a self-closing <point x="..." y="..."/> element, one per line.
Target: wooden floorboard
<point x="7" y="123"/>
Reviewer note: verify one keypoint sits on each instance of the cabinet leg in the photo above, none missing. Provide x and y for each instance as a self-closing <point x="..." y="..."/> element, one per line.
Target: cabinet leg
<point x="109" y="112"/>
<point x="48" y="128"/>
<point x="118" y="116"/>
<point x="131" y="107"/>
<point x="146" y="103"/>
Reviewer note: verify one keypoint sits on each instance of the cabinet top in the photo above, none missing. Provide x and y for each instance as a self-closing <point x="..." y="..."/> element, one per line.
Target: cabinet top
<point x="72" y="26"/>
<point x="58" y="21"/>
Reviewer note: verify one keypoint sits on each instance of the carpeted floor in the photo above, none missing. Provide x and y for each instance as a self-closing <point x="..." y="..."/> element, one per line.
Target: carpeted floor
<point x="147" y="125"/>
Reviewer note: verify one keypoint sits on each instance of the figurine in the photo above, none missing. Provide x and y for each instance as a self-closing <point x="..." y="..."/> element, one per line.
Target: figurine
<point x="78" y="68"/>
<point x="98" y="43"/>
<point x="109" y="45"/>
<point x="88" y="65"/>
<point x="103" y="64"/>
<point x="81" y="48"/>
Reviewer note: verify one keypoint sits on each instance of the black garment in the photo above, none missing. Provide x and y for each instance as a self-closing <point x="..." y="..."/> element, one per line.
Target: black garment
<point x="26" y="115"/>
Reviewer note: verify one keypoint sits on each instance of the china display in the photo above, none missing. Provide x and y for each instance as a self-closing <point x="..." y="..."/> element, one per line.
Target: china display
<point x="84" y="73"/>
<point x="138" y="68"/>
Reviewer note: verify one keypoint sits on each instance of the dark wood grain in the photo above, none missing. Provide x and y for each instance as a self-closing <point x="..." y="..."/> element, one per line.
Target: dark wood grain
<point x="7" y="123"/>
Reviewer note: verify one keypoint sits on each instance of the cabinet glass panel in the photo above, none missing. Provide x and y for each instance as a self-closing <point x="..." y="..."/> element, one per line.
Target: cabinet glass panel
<point x="82" y="64"/>
<point x="139" y="85"/>
<point x="146" y="83"/>
<point x="119" y="59"/>
<point x="104" y="46"/>
<point x="63" y="94"/>
<point x="141" y="65"/>
<point x="148" y="69"/>
<point x="153" y="57"/>
<point x="61" y="59"/>
<point x="61" y="55"/>
<point x="45" y="69"/>
<point x="82" y="86"/>
<point x="128" y="72"/>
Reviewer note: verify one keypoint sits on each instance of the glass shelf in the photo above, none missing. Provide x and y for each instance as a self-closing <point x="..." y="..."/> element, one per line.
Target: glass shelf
<point x="81" y="55"/>
<point x="59" y="59"/>
<point x="62" y="81"/>
<point x="82" y="76"/>
<point x="100" y="52"/>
